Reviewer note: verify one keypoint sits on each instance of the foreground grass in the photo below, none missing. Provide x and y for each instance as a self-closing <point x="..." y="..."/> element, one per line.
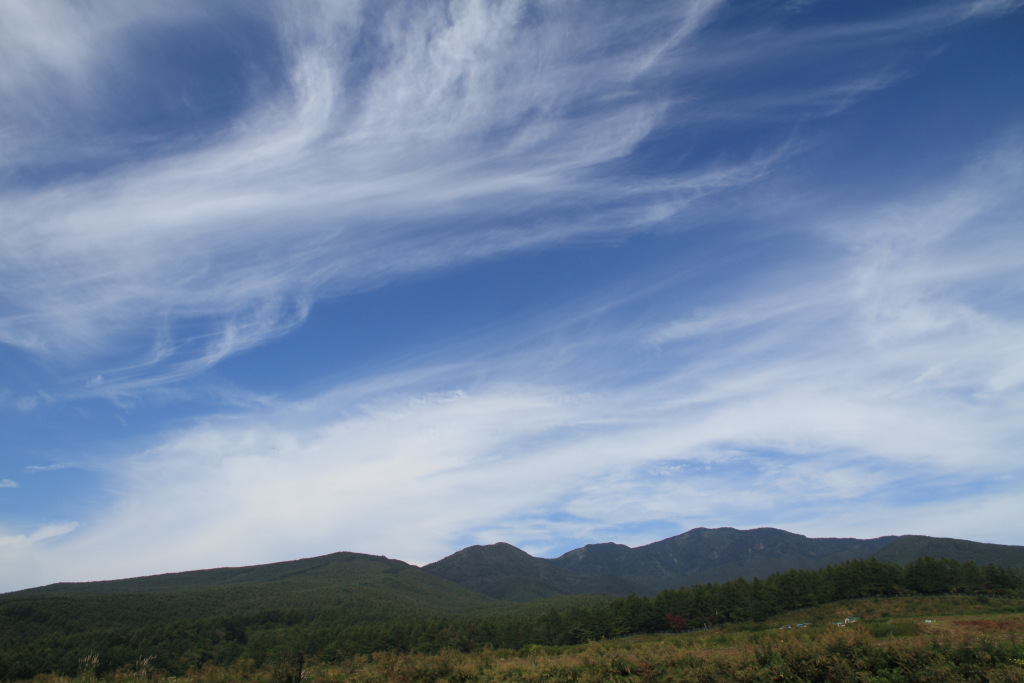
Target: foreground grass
<point x="915" y="639"/>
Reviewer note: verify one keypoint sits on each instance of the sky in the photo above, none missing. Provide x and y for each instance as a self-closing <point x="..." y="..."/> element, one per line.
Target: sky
<point x="280" y="279"/>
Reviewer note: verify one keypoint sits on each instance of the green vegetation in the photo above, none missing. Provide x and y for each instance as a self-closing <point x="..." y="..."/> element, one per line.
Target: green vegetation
<point x="354" y="611"/>
<point x="964" y="639"/>
<point x="906" y="549"/>
<point x="505" y="572"/>
<point x="698" y="556"/>
<point x="715" y="555"/>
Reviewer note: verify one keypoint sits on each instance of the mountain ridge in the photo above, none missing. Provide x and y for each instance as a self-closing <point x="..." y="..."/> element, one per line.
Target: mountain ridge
<point x="504" y="572"/>
<point x="704" y="555"/>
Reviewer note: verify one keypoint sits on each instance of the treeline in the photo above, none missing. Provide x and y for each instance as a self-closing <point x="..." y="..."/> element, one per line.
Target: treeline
<point x="739" y="600"/>
<point x="65" y="635"/>
<point x="757" y="600"/>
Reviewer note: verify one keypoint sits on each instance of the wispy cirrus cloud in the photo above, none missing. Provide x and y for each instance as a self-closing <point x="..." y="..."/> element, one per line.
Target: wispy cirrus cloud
<point x="221" y="247"/>
<point x="49" y="468"/>
<point x="400" y="139"/>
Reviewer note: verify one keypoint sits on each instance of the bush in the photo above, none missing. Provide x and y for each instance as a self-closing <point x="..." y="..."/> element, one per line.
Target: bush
<point x="901" y="628"/>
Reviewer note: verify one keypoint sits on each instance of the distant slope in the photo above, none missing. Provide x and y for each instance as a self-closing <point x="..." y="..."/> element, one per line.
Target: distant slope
<point x="701" y="555"/>
<point x="346" y="581"/>
<point x="716" y="555"/>
<point x="712" y="555"/>
<point x="342" y="565"/>
<point x="357" y="603"/>
<point x="475" y="577"/>
<point x="505" y="572"/>
<point x="905" y="549"/>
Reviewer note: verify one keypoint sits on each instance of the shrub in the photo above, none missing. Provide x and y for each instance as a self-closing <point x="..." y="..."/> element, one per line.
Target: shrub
<point x="901" y="628"/>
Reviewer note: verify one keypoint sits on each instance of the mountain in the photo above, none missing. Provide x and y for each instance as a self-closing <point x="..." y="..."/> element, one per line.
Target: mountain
<point x="342" y="565"/>
<point x="343" y="602"/>
<point x="474" y="577"/>
<point x="505" y="572"/>
<point x="906" y="549"/>
<point x="350" y="582"/>
<point x="714" y="555"/>
<point x="697" y="556"/>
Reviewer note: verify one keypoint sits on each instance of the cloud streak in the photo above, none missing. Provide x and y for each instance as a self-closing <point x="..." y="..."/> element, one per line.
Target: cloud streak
<point x="326" y="176"/>
<point x="449" y="141"/>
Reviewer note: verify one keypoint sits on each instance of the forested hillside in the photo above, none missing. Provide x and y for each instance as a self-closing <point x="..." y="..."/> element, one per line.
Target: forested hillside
<point x="182" y="629"/>
<point x="345" y="604"/>
<point x="505" y="572"/>
<point x="282" y="584"/>
<point x="712" y="555"/>
<point x="697" y="556"/>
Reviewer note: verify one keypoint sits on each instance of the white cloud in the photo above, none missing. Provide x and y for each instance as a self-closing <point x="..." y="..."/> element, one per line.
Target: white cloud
<point x="62" y="61"/>
<point x="27" y="556"/>
<point x="27" y="404"/>
<point x="362" y="168"/>
<point x="409" y="472"/>
<point x="49" y="468"/>
<point x="43" y="533"/>
<point x="758" y="428"/>
<point x="8" y="484"/>
<point x="992" y="7"/>
<point x="325" y="180"/>
<point x="987" y="517"/>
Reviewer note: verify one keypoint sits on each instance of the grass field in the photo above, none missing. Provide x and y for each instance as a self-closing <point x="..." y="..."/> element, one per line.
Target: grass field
<point x="895" y="639"/>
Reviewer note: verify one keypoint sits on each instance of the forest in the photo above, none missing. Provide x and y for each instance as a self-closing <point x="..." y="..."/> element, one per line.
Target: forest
<point x="185" y="630"/>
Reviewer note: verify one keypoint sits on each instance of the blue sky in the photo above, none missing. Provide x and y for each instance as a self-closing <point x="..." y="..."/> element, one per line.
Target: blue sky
<point x="282" y="279"/>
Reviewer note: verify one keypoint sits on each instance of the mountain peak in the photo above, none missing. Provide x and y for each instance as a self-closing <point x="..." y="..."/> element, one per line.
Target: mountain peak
<point x="505" y="572"/>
